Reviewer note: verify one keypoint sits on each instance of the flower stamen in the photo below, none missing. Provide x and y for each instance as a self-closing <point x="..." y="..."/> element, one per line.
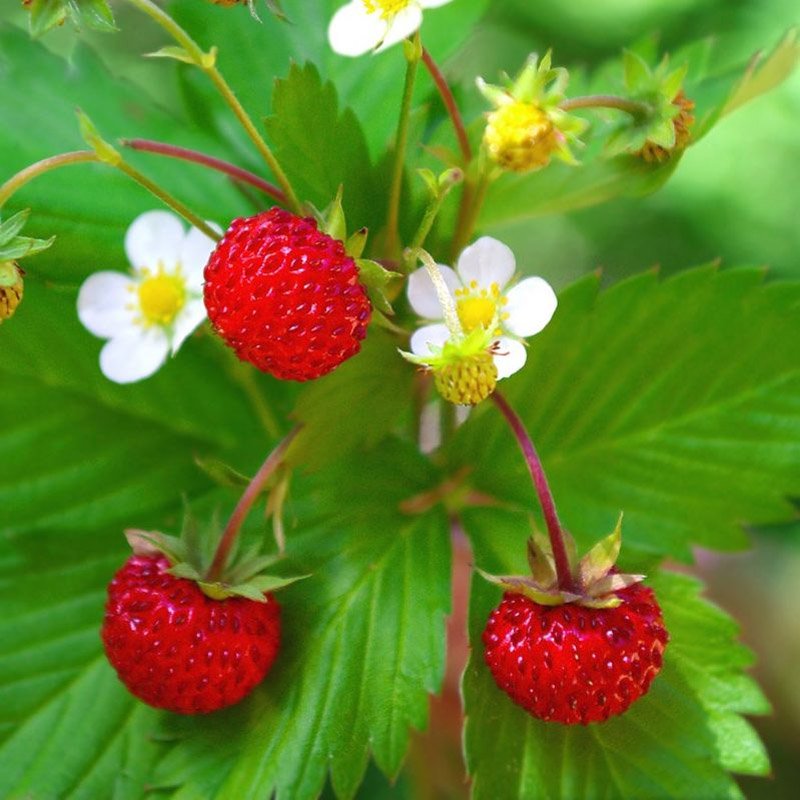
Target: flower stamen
<point x="161" y="296"/>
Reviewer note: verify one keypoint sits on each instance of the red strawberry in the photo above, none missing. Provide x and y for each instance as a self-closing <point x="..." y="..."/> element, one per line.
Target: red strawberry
<point x="178" y="649"/>
<point x="285" y="296"/>
<point x="574" y="664"/>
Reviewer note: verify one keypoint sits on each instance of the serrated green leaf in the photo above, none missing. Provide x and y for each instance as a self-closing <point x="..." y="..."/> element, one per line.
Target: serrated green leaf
<point x="68" y="727"/>
<point x="318" y="166"/>
<point x="679" y="740"/>
<point x="362" y="644"/>
<point x="676" y="401"/>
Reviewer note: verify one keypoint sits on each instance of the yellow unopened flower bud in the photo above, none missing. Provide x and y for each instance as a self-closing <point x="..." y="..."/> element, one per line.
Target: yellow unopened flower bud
<point x="468" y="381"/>
<point x="11" y="289"/>
<point x="520" y="137"/>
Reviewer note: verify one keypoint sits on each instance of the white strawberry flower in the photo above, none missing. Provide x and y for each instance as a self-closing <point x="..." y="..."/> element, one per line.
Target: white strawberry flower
<point x="147" y="314"/>
<point x="484" y="296"/>
<point x="364" y="25"/>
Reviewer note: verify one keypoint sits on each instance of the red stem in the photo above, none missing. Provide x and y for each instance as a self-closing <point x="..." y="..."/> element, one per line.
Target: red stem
<point x="450" y="105"/>
<point x="565" y="582"/>
<point x="251" y="493"/>
<point x="184" y="154"/>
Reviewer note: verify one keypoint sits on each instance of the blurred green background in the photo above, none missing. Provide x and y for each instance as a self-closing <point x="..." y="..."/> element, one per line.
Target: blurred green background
<point x="734" y="197"/>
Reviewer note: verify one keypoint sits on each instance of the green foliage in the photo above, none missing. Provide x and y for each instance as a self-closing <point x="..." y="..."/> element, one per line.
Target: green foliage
<point x="672" y="401"/>
<point x="363" y="645"/>
<point x="47" y="14"/>
<point x="316" y="163"/>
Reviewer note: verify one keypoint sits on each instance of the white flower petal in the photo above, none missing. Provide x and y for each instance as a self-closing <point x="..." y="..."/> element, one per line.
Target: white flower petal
<point x="137" y="355"/>
<point x="510" y="357"/>
<point x="434" y="4"/>
<point x="422" y="294"/>
<point x="154" y="238"/>
<point x="487" y="261"/>
<point x="531" y="305"/>
<point x="423" y="338"/>
<point x="192" y="314"/>
<point x="194" y="255"/>
<point x="103" y="301"/>
<point x="354" y="31"/>
<point x="402" y="25"/>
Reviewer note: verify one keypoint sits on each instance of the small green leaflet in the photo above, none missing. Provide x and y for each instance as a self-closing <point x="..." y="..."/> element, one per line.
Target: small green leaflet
<point x="675" y="402"/>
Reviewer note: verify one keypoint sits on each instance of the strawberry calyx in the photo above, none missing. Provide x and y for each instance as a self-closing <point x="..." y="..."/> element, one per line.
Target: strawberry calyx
<point x="595" y="579"/>
<point x="191" y="554"/>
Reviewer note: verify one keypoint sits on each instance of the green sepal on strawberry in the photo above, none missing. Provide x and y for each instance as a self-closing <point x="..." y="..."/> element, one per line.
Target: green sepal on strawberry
<point x="373" y="276"/>
<point x="579" y="654"/>
<point x="595" y="580"/>
<point x="191" y="556"/>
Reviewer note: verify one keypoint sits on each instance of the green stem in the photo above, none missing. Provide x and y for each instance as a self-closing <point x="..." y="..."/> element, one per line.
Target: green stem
<point x="251" y="494"/>
<point x="472" y="199"/>
<point x="632" y="107"/>
<point x="431" y="212"/>
<point x="207" y="63"/>
<point x="16" y="182"/>
<point x="176" y="205"/>
<point x="401" y="142"/>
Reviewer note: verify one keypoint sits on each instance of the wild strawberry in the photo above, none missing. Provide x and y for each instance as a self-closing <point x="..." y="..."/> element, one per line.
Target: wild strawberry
<point x="573" y="664"/>
<point x="176" y="648"/>
<point x="285" y="296"/>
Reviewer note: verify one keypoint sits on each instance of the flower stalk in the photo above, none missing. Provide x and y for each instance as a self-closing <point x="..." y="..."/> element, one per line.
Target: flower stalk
<point x="633" y="107"/>
<point x="16" y="182"/>
<point x="554" y="530"/>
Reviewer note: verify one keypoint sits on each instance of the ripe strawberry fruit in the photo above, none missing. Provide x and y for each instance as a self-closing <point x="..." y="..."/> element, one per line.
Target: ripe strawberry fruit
<point x="285" y="296"/>
<point x="574" y="664"/>
<point x="176" y="648"/>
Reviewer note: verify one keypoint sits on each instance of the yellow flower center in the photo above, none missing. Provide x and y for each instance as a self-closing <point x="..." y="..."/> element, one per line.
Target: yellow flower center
<point x="161" y="297"/>
<point x="479" y="306"/>
<point x="520" y="136"/>
<point x="386" y="8"/>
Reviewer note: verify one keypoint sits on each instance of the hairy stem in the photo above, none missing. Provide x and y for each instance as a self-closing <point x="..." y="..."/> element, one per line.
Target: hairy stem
<point x="632" y="107"/>
<point x="554" y="530"/>
<point x="401" y="142"/>
<point x="450" y="104"/>
<point x="472" y="199"/>
<point x="176" y="205"/>
<point x="16" y="182"/>
<point x="218" y="164"/>
<point x="206" y="62"/>
<point x="443" y="293"/>
<point x="251" y="494"/>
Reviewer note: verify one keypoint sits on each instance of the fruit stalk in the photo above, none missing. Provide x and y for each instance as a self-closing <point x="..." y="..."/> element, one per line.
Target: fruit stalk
<point x="450" y="104"/>
<point x="195" y="157"/>
<point x="251" y="494"/>
<point x="554" y="530"/>
<point x="401" y="141"/>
